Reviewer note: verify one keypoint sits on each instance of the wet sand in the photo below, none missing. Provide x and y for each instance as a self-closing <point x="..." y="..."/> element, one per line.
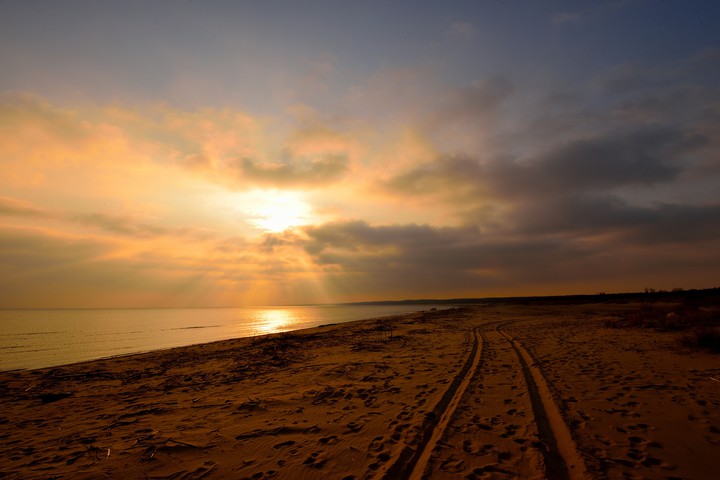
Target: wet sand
<point x="505" y="390"/>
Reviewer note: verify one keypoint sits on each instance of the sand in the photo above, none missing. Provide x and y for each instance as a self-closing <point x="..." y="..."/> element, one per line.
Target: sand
<point x="506" y="390"/>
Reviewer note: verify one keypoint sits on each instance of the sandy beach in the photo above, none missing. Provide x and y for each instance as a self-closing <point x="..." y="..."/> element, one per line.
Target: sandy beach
<point x="505" y="390"/>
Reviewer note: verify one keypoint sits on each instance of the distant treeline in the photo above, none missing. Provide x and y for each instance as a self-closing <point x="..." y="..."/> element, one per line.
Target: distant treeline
<point x="677" y="294"/>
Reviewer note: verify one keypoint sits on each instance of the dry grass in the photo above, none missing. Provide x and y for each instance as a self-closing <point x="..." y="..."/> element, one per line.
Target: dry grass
<point x="706" y="338"/>
<point x="665" y="317"/>
<point x="701" y="322"/>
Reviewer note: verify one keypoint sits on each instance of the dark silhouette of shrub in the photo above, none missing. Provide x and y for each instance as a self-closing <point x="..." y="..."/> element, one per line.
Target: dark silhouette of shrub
<point x="702" y="337"/>
<point x="665" y="317"/>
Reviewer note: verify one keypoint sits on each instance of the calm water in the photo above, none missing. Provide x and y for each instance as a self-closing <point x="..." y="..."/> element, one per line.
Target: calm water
<point x="44" y="338"/>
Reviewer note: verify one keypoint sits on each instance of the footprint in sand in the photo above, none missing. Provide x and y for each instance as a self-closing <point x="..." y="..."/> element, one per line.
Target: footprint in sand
<point x="284" y="444"/>
<point x="452" y="465"/>
<point x="315" y="461"/>
<point x="377" y="444"/>
<point x="381" y="459"/>
<point x="474" y="448"/>
<point x="353" y="427"/>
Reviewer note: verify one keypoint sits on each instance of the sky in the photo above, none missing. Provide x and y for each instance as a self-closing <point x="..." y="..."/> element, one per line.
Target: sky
<point x="219" y="153"/>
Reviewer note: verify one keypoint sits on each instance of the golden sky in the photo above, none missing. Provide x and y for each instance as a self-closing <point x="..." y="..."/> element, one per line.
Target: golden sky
<point x="223" y="154"/>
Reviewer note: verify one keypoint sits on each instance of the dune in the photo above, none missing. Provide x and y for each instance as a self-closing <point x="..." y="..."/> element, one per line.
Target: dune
<point x="504" y="390"/>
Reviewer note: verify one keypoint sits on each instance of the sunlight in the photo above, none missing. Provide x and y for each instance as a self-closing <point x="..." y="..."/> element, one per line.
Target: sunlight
<point x="276" y="211"/>
<point x="273" y="321"/>
<point x="265" y="211"/>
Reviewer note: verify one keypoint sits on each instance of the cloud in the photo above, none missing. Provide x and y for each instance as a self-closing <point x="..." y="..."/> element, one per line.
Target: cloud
<point x="474" y="105"/>
<point x="485" y="185"/>
<point x="14" y="207"/>
<point x="454" y="179"/>
<point x="644" y="156"/>
<point x="207" y="141"/>
<point x="418" y="260"/>
<point x="128" y="227"/>
<point x="624" y="243"/>
<point x="680" y="224"/>
<point x="641" y="157"/>
<point x="409" y="251"/>
<point x="313" y="80"/>
<point x="584" y="215"/>
<point x="114" y="224"/>
<point x="292" y="172"/>
<point x="43" y="267"/>
<point x="25" y="251"/>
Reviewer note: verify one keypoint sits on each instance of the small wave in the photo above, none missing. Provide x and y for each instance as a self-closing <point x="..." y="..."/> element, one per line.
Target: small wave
<point x="28" y="334"/>
<point x="21" y="349"/>
<point x="193" y="328"/>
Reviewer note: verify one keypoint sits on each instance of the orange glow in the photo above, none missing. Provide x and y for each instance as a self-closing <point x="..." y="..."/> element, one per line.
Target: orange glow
<point x="278" y="211"/>
<point x="273" y="321"/>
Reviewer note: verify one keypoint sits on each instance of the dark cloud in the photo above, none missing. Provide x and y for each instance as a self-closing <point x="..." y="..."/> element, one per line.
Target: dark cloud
<point x="291" y="171"/>
<point x="609" y="244"/>
<point x="644" y="156"/>
<point x="578" y="215"/>
<point x="422" y="260"/>
<point x="580" y="190"/>
<point x="682" y="224"/>
<point x="359" y="234"/>
<point x="641" y="157"/>
<point x="410" y="250"/>
<point x="581" y="216"/>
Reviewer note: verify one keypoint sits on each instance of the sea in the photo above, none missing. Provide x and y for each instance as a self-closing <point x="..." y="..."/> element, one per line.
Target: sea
<point x="45" y="338"/>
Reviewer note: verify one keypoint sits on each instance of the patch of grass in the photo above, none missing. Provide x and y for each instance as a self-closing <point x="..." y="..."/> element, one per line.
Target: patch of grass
<point x="665" y="317"/>
<point x="706" y="338"/>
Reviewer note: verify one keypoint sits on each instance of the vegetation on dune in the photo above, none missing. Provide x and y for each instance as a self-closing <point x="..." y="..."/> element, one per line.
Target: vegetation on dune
<point x="665" y="317"/>
<point x="702" y="337"/>
<point x="701" y="321"/>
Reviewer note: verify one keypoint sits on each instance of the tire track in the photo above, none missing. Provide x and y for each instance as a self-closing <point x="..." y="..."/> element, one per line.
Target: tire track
<point x="563" y="461"/>
<point x="411" y="463"/>
<point x="493" y="433"/>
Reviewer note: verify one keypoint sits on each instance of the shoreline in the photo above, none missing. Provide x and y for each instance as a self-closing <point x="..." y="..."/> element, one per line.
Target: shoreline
<point x="34" y="345"/>
<point x="362" y="400"/>
<point x="160" y="350"/>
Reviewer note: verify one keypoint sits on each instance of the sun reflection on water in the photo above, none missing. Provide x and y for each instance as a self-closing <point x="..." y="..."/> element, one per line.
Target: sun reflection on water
<point x="273" y="321"/>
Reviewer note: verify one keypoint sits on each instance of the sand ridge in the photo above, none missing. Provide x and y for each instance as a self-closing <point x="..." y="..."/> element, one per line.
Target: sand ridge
<point x="501" y="391"/>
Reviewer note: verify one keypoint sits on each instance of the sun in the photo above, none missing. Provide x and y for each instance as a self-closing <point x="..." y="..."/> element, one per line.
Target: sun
<point x="278" y="211"/>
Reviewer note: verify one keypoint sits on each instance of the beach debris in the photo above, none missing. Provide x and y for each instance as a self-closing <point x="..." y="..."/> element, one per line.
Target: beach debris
<point x="250" y="405"/>
<point x="94" y="450"/>
<point x="168" y="443"/>
<point x="179" y="443"/>
<point x="282" y="430"/>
